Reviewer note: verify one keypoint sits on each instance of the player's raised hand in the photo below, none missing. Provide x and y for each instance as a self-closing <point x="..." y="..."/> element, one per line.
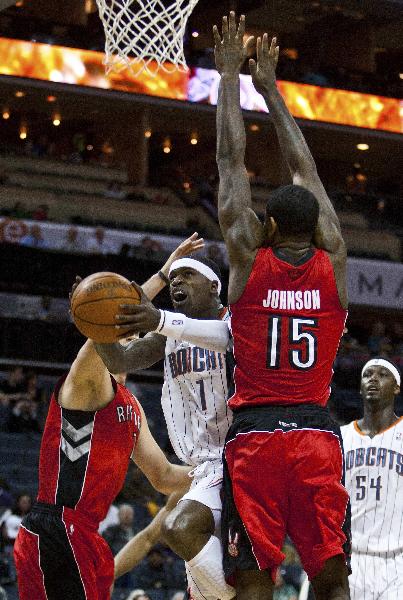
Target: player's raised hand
<point x="137" y="318"/>
<point x="188" y="246"/>
<point x="229" y="49"/>
<point x="264" y="70"/>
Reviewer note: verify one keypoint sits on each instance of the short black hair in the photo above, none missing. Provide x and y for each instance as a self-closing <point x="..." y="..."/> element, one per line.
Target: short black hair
<point x="209" y="263"/>
<point x="295" y="210"/>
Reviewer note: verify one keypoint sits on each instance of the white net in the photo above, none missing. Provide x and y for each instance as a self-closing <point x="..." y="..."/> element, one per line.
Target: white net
<point x="145" y="34"/>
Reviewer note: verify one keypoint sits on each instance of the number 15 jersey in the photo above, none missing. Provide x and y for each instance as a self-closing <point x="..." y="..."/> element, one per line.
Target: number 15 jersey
<point x="286" y="327"/>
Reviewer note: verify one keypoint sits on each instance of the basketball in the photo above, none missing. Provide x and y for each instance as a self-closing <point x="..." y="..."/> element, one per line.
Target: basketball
<point x="96" y="302"/>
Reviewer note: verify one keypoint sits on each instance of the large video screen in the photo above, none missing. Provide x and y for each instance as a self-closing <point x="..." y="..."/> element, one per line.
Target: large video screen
<point x="86" y="68"/>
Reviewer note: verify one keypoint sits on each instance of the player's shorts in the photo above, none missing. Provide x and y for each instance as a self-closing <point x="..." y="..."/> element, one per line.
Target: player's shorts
<point x="58" y="554"/>
<point x="283" y="474"/>
<point x="376" y="577"/>
<point x="206" y="488"/>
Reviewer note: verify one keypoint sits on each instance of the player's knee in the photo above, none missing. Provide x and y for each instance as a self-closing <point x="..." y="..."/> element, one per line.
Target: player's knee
<point x="175" y="528"/>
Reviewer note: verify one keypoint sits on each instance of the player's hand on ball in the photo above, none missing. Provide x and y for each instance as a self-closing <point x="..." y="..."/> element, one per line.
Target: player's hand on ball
<point x="229" y="49"/>
<point x="137" y="318"/>
<point x="264" y="70"/>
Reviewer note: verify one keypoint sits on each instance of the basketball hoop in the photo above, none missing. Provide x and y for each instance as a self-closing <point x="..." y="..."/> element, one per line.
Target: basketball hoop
<point x="145" y="34"/>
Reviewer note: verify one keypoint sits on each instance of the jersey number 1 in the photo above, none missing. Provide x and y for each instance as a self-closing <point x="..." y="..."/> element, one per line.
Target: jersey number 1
<point x="203" y="403"/>
<point x="301" y="333"/>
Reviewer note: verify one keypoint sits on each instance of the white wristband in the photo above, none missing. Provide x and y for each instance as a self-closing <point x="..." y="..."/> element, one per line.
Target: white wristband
<point x="171" y="324"/>
<point x="161" y="323"/>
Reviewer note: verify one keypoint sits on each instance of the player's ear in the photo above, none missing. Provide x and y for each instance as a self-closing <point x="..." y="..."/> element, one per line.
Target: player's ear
<point x="214" y="287"/>
<point x="396" y="391"/>
<point x="270" y="226"/>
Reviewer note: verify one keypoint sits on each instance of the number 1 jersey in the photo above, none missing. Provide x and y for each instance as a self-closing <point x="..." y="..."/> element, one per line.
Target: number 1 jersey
<point x="197" y="383"/>
<point x="286" y="327"/>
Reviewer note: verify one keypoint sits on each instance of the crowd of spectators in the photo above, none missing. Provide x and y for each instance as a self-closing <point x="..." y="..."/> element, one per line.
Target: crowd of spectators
<point x="21" y="402"/>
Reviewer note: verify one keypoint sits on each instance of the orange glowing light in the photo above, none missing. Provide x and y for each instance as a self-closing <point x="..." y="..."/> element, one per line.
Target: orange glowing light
<point x="84" y="67"/>
<point x="51" y="99"/>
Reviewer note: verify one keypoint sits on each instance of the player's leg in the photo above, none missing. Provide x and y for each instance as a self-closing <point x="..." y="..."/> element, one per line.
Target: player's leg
<point x="254" y="584"/>
<point x="331" y="583"/>
<point x="253" y="526"/>
<point x="92" y="556"/>
<point x="190" y="530"/>
<point x="45" y="560"/>
<point x="319" y="504"/>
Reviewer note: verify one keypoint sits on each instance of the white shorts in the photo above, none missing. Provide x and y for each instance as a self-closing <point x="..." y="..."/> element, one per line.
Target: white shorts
<point x="206" y="488"/>
<point x="376" y="578"/>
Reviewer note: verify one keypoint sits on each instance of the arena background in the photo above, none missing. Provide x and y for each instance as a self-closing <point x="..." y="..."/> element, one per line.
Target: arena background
<point x="110" y="172"/>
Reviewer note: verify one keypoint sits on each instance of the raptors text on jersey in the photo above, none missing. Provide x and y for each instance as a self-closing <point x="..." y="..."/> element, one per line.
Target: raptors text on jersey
<point x="85" y="455"/>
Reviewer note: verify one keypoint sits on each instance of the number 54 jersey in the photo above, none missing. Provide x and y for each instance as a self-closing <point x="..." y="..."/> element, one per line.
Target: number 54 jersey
<point x="197" y="383"/>
<point x="374" y="480"/>
<point x="286" y="327"/>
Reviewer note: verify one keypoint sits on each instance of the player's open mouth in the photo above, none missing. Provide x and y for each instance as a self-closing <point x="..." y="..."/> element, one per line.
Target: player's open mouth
<point x="179" y="296"/>
<point x="372" y="388"/>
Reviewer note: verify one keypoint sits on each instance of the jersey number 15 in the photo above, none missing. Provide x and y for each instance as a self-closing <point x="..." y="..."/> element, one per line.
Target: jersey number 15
<point x="301" y="334"/>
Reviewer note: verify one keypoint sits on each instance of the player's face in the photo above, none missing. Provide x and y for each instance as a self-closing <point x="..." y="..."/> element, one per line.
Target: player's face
<point x="190" y="291"/>
<point x="378" y="383"/>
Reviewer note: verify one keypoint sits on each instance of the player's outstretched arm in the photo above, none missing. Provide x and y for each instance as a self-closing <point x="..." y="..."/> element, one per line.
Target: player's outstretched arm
<point x="150" y="459"/>
<point x="137" y="354"/>
<point x="87" y="379"/>
<point x="140" y="545"/>
<point x="292" y="143"/>
<point x="299" y="158"/>
<point x="145" y="317"/>
<point x="239" y="224"/>
<point x="159" y="280"/>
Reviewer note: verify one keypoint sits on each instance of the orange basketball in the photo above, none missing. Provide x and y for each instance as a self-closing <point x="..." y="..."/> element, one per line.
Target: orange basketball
<point x="96" y="302"/>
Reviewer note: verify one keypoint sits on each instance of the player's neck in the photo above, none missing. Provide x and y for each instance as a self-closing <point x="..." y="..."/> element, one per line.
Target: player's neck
<point x="376" y="420"/>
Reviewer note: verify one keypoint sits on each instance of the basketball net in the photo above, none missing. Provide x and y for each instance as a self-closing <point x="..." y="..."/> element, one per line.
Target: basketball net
<point x="145" y="34"/>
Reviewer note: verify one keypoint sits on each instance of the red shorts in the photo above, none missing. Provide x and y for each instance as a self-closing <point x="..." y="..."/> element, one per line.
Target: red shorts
<point x="283" y="475"/>
<point x="57" y="555"/>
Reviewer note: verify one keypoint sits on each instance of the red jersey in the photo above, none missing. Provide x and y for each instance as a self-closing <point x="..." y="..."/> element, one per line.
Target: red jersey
<point x="287" y="327"/>
<point x="85" y="455"/>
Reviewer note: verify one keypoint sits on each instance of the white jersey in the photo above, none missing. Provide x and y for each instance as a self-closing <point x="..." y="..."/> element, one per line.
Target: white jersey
<point x="194" y="400"/>
<point x="374" y="480"/>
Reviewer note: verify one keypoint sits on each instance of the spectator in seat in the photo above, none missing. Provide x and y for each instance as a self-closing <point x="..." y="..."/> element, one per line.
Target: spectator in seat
<point x="376" y="338"/>
<point x="41" y="213"/>
<point x="34" y="239"/>
<point x="13" y="387"/>
<point x="283" y="591"/>
<point x="118" y="535"/>
<point x="19" y="211"/>
<point x="138" y="595"/>
<point x="156" y="572"/>
<point x="114" y="190"/>
<point x="24" y="417"/>
<point x="97" y="244"/>
<point x="12" y="523"/>
<point x="72" y="242"/>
